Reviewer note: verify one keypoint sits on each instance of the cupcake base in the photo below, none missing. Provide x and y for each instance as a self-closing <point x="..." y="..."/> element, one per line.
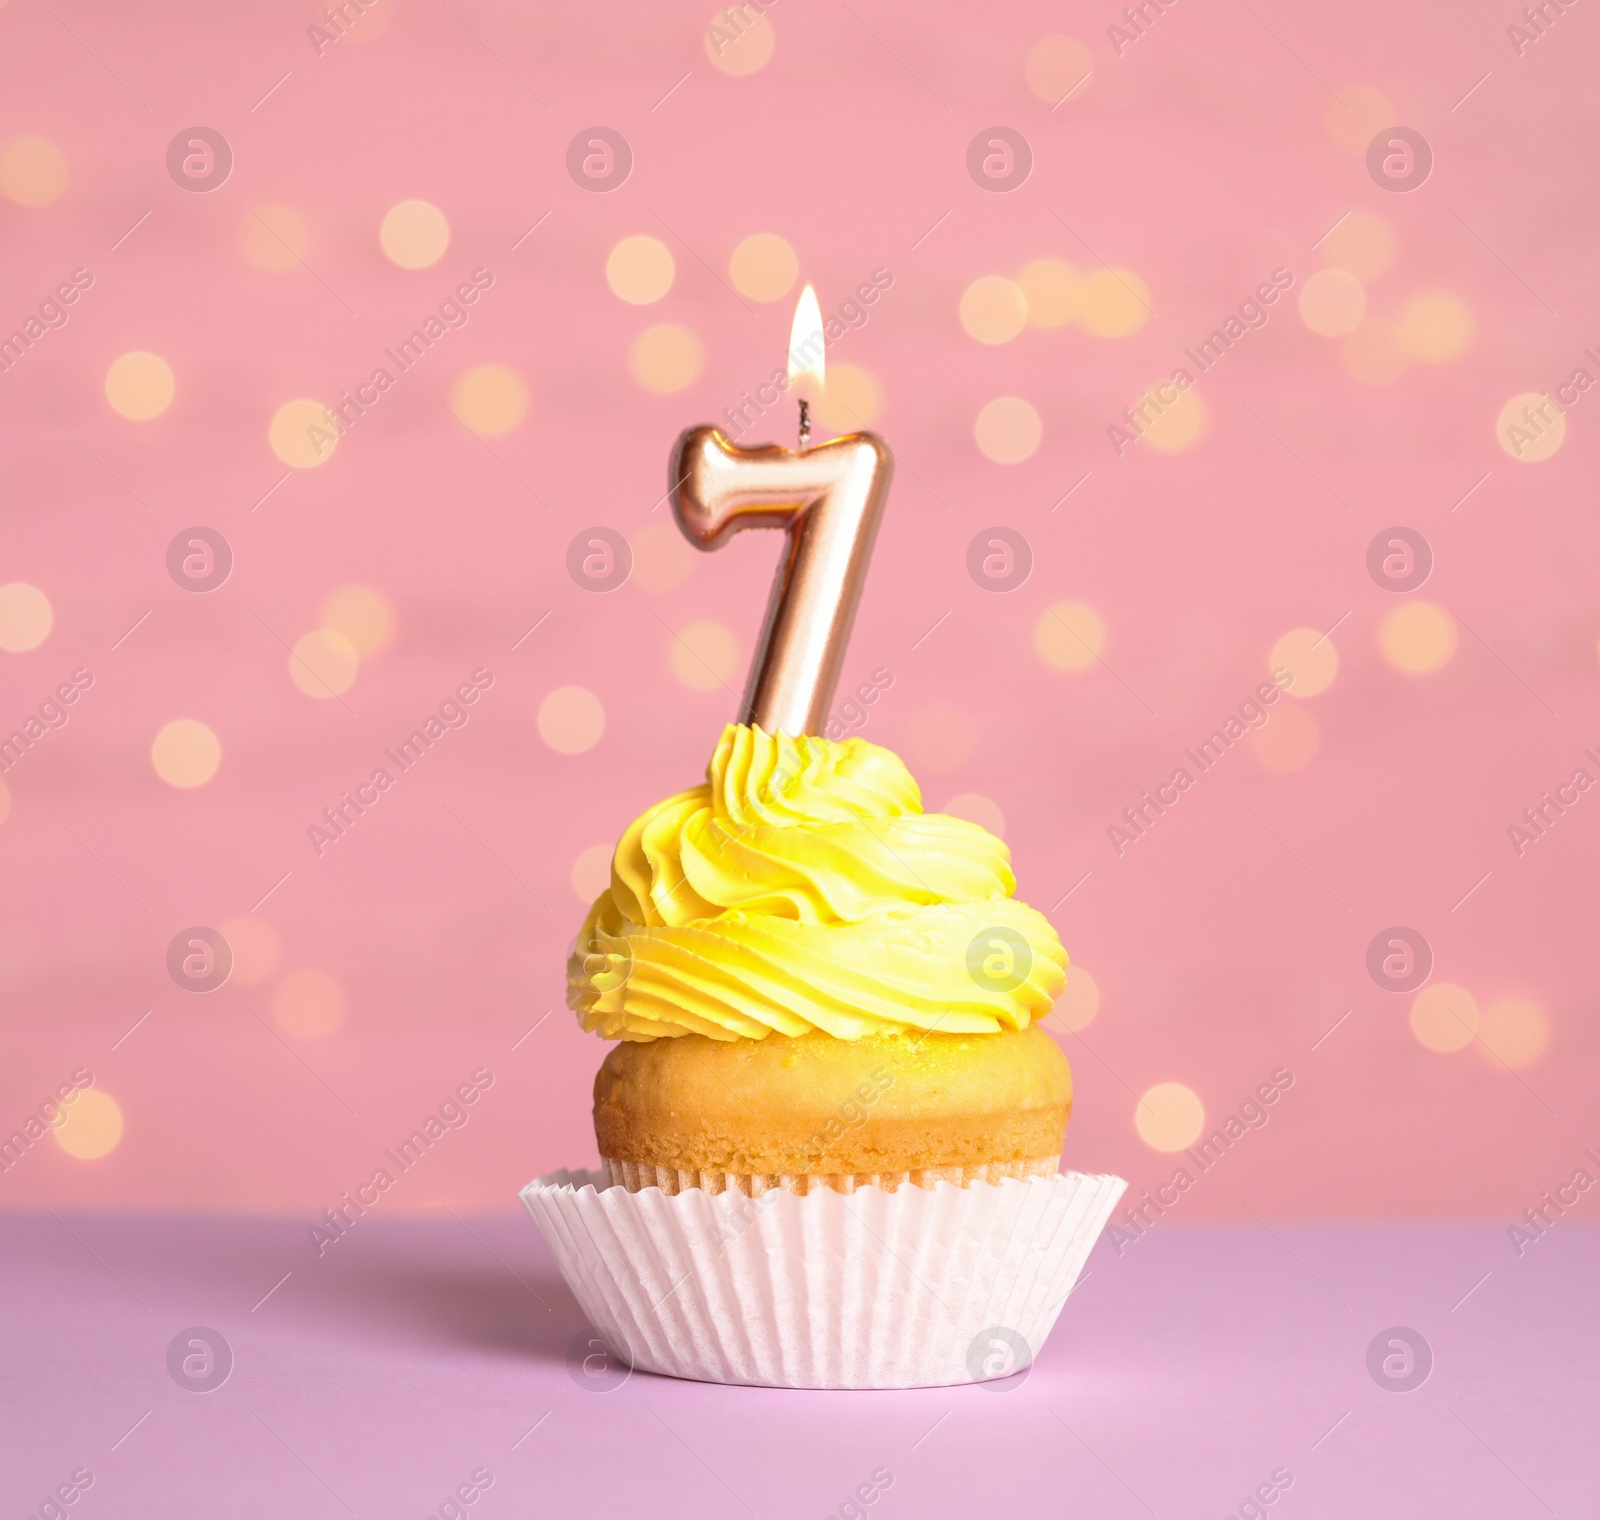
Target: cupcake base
<point x="636" y="1175"/>
<point x="916" y="1287"/>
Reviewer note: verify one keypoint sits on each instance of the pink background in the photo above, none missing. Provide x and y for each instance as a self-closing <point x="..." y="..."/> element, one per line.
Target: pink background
<point x="1199" y="159"/>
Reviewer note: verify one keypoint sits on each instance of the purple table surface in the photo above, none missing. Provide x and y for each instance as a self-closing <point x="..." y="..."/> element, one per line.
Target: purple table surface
<point x="1183" y="1376"/>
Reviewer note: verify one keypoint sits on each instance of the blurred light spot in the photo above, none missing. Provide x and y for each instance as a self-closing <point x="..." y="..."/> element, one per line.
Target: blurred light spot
<point x="662" y="558"/>
<point x="33" y="172"/>
<point x="739" y="43"/>
<point x="1069" y="636"/>
<point x="5" y="802"/>
<point x="704" y="655"/>
<point x="25" y="617"/>
<point x="1362" y="243"/>
<point x="764" y="267"/>
<point x="1530" y="427"/>
<point x="1357" y="115"/>
<point x="1332" y="303"/>
<point x="303" y="434"/>
<point x="666" y="358"/>
<point x="374" y="16"/>
<point x="256" y="949"/>
<point x="1053" y="290"/>
<point x="139" y="385"/>
<point x="323" y="663"/>
<point x="640" y="269"/>
<point x="851" y="399"/>
<point x="591" y="872"/>
<point x="1309" y="657"/>
<point x="362" y="616"/>
<point x="1169" y="1116"/>
<point x="571" y="720"/>
<point x="1374" y="354"/>
<point x="308" y="1005"/>
<point x="1116" y="302"/>
<point x="1179" y="425"/>
<point x="1444" y="1017"/>
<point x="185" y="753"/>
<point x="993" y="309"/>
<point x="939" y="738"/>
<point x="1058" y="69"/>
<point x="274" y="238"/>
<point x="414" y="234"/>
<point x="90" y="1126"/>
<point x="490" y="399"/>
<point x="1076" y="1007"/>
<point x="1289" y="740"/>
<point x="1008" y="430"/>
<point x="1515" y="1033"/>
<point x="1418" y="637"/>
<point x="1437" y="328"/>
<point x="978" y="809"/>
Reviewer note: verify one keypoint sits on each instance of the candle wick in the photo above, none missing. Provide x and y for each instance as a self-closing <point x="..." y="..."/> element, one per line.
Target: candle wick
<point x="805" y="422"/>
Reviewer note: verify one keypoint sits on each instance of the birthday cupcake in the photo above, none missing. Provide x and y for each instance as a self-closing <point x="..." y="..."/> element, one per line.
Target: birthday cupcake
<point x="813" y="982"/>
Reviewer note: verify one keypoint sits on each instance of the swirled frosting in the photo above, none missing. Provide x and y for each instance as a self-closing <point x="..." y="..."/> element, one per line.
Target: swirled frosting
<point x="803" y="887"/>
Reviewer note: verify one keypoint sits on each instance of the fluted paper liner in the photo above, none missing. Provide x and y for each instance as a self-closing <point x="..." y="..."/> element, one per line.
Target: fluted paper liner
<point x="869" y="1289"/>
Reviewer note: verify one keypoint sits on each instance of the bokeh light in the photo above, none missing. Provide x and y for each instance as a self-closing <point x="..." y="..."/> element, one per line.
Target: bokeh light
<point x="33" y="171"/>
<point x="640" y="269"/>
<point x="1309" y="657"/>
<point x="1169" y="1116"/>
<point x="414" y="234"/>
<point x="1374" y="353"/>
<point x="490" y="399"/>
<point x="662" y="558"/>
<point x="571" y="720"/>
<point x="764" y="267"/>
<point x="90" y="1126"/>
<point x="1288" y="741"/>
<point x="1008" y="430"/>
<point x="1444" y="1017"/>
<point x="591" y="872"/>
<point x="1437" y="328"/>
<point x="303" y="434"/>
<point x="362" y="615"/>
<point x="1069" y="636"/>
<point x="1530" y="427"/>
<point x="666" y="358"/>
<point x="5" y="802"/>
<point x="704" y="655"/>
<point x="978" y="809"/>
<point x="186" y="753"/>
<point x="1179" y="425"/>
<point x="323" y="663"/>
<point x="139" y="385"/>
<point x="1418" y="637"/>
<point x="939" y="738"/>
<point x="1115" y="302"/>
<point x="851" y="399"/>
<point x="308" y="1005"/>
<point x="257" y="950"/>
<point x="1059" y="68"/>
<point x="1514" y="1033"/>
<point x="1362" y="243"/>
<point x="1053" y="290"/>
<point x="993" y="309"/>
<point x="738" y="42"/>
<point x="25" y="617"/>
<point x="1076" y="1007"/>
<point x="274" y="238"/>
<point x="1357" y="115"/>
<point x="1332" y="303"/>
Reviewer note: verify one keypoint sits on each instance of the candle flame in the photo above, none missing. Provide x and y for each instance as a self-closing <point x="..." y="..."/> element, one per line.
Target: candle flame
<point x="806" y="347"/>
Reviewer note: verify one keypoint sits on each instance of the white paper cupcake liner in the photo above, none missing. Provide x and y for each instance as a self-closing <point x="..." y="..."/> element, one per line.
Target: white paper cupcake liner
<point x="921" y="1287"/>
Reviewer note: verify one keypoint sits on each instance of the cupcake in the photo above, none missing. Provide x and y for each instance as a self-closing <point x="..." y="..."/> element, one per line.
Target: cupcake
<point x="830" y="1126"/>
<point x="813" y="983"/>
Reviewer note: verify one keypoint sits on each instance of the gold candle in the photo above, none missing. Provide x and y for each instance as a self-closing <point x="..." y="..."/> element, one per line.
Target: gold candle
<point x="829" y="501"/>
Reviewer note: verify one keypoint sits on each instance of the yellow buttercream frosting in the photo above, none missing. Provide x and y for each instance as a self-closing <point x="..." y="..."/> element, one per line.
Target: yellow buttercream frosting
<point x="803" y="887"/>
